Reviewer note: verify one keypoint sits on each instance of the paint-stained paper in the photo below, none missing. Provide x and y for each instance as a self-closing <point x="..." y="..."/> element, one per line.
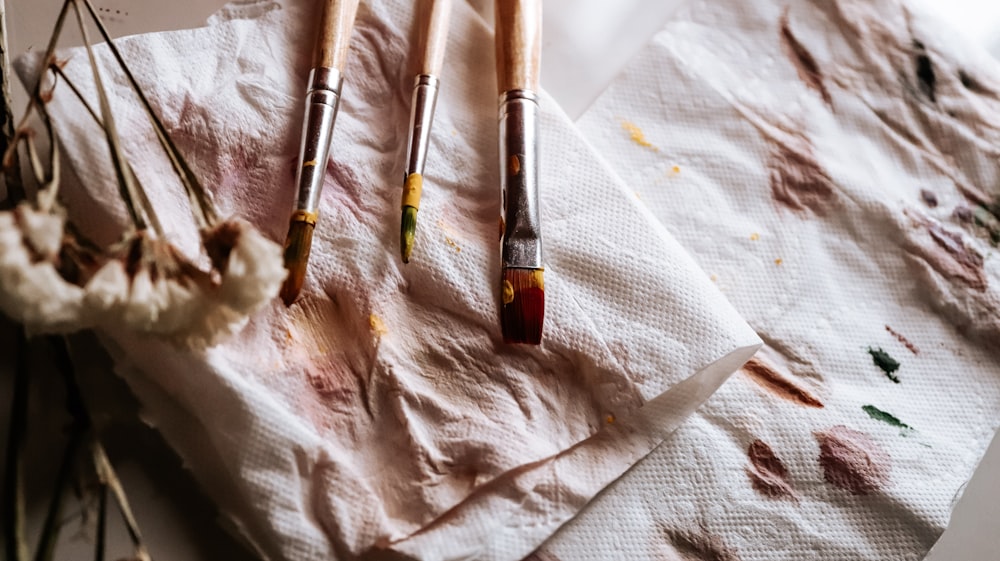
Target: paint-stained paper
<point x="833" y="165"/>
<point x="382" y="412"/>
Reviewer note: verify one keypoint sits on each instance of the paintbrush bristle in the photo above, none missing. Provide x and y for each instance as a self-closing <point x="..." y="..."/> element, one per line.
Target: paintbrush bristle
<point x="297" y="247"/>
<point x="407" y="231"/>
<point x="523" y="309"/>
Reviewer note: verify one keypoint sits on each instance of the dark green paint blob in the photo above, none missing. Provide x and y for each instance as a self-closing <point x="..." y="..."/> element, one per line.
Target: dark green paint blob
<point x="885" y="362"/>
<point x="889" y="419"/>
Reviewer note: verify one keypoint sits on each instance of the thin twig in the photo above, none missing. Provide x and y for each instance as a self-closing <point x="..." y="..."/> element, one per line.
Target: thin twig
<point x="106" y="472"/>
<point x="13" y="487"/>
<point x="81" y="423"/>
<point x="50" y="530"/>
<point x="36" y="90"/>
<point x="143" y="200"/>
<point x="201" y="204"/>
<point x="126" y="184"/>
<point x="12" y="171"/>
<point x="102" y="523"/>
<point x="102" y="466"/>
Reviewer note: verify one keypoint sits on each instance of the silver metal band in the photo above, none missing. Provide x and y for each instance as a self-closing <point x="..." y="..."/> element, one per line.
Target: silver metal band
<point x="322" y="102"/>
<point x="425" y="91"/>
<point x="521" y="246"/>
<point x="325" y="78"/>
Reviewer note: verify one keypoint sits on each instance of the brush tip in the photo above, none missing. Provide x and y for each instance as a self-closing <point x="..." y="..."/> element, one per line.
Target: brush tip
<point x="407" y="231"/>
<point x="522" y="311"/>
<point x="297" y="247"/>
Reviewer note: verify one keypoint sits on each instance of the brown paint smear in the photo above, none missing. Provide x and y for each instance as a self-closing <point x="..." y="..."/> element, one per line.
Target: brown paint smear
<point x="852" y="461"/>
<point x="768" y="474"/>
<point x="764" y="370"/>
<point x="906" y="342"/>
<point x="702" y="546"/>
<point x="948" y="254"/>
<point x="802" y="59"/>
<point x="797" y="179"/>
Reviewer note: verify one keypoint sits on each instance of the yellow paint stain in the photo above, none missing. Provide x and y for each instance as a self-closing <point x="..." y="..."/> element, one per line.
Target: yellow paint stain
<point x="778" y="261"/>
<point x="448" y="230"/>
<point x="508" y="292"/>
<point x="309" y="164"/>
<point x="609" y="418"/>
<point x="449" y="235"/>
<point x="637" y="136"/>
<point x="754" y="237"/>
<point x="538" y="278"/>
<point x="675" y="170"/>
<point x="378" y="327"/>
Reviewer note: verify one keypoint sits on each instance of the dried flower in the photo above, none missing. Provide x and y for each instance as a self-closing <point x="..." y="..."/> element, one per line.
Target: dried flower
<point x="149" y="287"/>
<point x="250" y="264"/>
<point x="32" y="290"/>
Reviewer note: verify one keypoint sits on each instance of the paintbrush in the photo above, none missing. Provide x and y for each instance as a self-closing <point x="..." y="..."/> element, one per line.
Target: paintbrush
<point x="518" y="51"/>
<point x="433" y="32"/>
<point x="322" y="99"/>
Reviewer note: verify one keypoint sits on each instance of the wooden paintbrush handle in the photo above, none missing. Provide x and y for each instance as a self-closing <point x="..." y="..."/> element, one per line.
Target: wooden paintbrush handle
<point x="433" y="33"/>
<point x="334" y="38"/>
<point x="518" y="43"/>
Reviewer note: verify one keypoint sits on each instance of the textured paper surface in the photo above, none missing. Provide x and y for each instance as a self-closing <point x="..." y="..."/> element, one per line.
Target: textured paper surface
<point x="803" y="137"/>
<point x="382" y="411"/>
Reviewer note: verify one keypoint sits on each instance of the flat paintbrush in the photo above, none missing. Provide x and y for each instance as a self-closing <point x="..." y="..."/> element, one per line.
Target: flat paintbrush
<point x="518" y="51"/>
<point x="433" y="32"/>
<point x="322" y="99"/>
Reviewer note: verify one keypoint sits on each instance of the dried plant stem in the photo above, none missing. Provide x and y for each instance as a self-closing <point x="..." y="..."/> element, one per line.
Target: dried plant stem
<point x="143" y="199"/>
<point x="201" y="205"/>
<point x="71" y="454"/>
<point x="102" y="466"/>
<point x="13" y="485"/>
<point x="50" y="530"/>
<point x="106" y="474"/>
<point x="102" y="524"/>
<point x="126" y="183"/>
<point x="12" y="173"/>
<point x="36" y="102"/>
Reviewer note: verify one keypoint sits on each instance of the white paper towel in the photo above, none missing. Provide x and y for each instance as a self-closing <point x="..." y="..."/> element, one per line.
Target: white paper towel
<point x="821" y="160"/>
<point x="382" y="411"/>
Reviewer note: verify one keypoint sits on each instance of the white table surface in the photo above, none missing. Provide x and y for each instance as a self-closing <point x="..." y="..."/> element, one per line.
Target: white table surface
<point x="586" y="42"/>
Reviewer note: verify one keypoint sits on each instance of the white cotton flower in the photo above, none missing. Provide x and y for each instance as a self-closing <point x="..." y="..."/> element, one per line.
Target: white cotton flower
<point x="251" y="265"/>
<point x="31" y="289"/>
<point x="151" y="288"/>
<point x="42" y="230"/>
<point x="107" y="291"/>
<point x="216" y="323"/>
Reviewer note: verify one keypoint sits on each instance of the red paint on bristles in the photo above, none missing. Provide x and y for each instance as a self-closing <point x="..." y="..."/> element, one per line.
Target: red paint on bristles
<point x="522" y="311"/>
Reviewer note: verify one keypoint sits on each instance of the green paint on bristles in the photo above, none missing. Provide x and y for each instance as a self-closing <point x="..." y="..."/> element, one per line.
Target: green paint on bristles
<point x="407" y="231"/>
<point x="889" y="419"/>
<point x="885" y="362"/>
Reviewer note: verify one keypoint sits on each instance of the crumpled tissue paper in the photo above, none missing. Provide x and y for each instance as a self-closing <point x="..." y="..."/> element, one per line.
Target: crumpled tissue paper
<point x="833" y="165"/>
<point x="381" y="415"/>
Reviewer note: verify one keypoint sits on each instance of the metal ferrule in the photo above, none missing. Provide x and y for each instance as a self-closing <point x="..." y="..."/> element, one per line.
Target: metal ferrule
<point x="322" y="100"/>
<point x="425" y="91"/>
<point x="521" y="245"/>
